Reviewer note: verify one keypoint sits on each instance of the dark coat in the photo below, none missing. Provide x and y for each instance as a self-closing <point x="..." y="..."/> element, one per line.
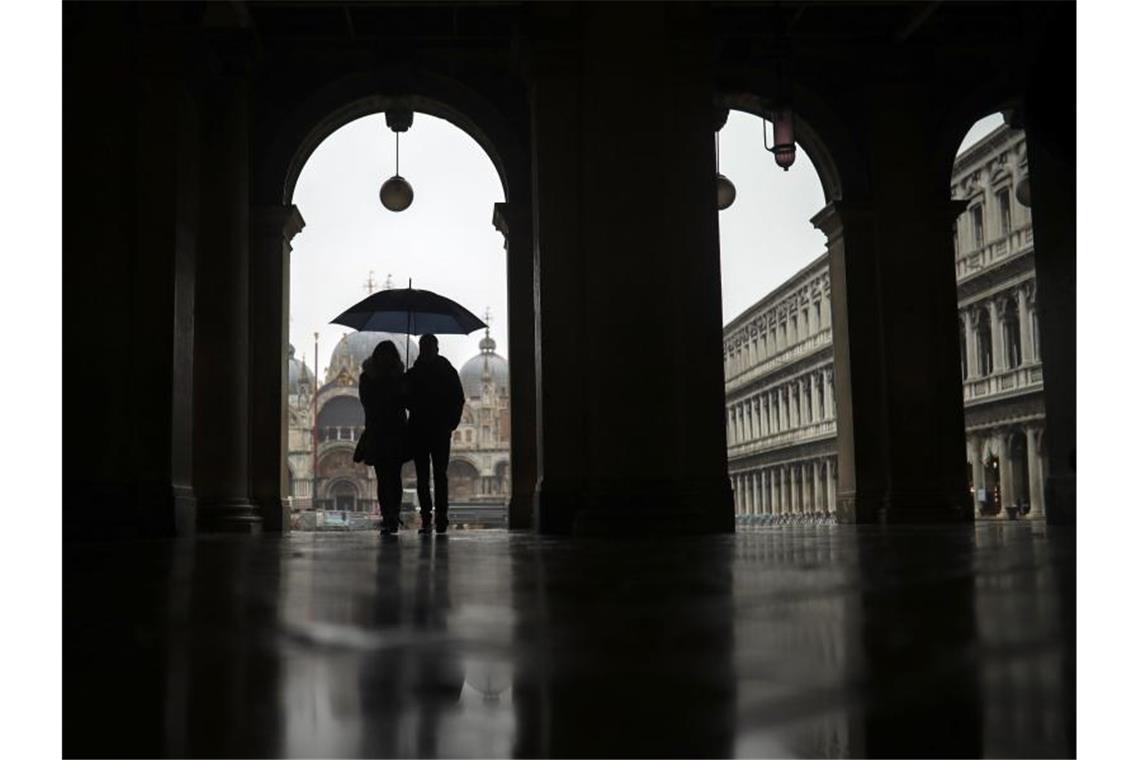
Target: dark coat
<point x="384" y="400"/>
<point x="435" y="396"/>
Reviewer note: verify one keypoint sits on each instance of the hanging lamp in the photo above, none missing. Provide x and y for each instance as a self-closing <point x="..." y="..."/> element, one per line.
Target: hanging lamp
<point x="396" y="193"/>
<point x="725" y="190"/>
<point x="783" y="145"/>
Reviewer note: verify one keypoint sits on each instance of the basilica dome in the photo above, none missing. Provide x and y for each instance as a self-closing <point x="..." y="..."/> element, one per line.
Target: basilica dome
<point x="487" y="361"/>
<point x="355" y="347"/>
<point x="299" y="373"/>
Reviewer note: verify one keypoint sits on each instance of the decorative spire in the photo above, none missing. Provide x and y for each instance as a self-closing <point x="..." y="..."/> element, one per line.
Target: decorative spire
<point x="370" y="284"/>
<point x="388" y="282"/>
<point x="487" y="345"/>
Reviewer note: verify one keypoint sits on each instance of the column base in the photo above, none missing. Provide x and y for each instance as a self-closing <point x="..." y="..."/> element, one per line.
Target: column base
<point x="903" y="508"/>
<point x="1061" y="499"/>
<point x="520" y="511"/>
<point x="642" y="508"/>
<point x="229" y="516"/>
<point x="274" y="514"/>
<point x="185" y="511"/>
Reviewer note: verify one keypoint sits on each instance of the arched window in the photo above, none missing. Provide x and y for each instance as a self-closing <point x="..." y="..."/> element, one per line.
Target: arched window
<point x="1011" y="326"/>
<point x="985" y="343"/>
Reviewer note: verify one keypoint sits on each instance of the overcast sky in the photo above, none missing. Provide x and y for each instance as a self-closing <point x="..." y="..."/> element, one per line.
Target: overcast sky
<point x="445" y="241"/>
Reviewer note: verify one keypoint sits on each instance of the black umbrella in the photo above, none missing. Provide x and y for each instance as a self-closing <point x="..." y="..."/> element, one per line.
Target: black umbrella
<point x="410" y="311"/>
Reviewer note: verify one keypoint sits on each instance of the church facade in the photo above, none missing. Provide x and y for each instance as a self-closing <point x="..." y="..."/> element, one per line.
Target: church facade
<point x="326" y="486"/>
<point x="779" y="376"/>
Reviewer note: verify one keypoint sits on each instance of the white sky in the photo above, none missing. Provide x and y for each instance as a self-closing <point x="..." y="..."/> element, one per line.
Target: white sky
<point x="445" y="241"/>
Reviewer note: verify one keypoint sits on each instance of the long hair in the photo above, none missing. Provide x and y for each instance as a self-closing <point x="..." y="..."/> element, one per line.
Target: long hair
<point x="386" y="360"/>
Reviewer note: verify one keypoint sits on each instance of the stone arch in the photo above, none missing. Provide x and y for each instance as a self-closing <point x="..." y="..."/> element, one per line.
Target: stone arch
<point x="292" y="117"/>
<point x="463" y="480"/>
<point x="335" y="103"/>
<point x="1000" y="93"/>
<point x="828" y="147"/>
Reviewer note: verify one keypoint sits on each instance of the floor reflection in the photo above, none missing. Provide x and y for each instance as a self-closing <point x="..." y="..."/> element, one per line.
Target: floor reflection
<point x="808" y="641"/>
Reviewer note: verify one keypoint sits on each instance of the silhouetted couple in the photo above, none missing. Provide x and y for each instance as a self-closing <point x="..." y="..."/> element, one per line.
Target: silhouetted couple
<point x="432" y="393"/>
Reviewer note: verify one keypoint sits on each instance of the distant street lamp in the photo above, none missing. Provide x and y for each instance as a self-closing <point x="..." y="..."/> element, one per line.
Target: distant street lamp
<point x="783" y="145"/>
<point x="725" y="190"/>
<point x="396" y="193"/>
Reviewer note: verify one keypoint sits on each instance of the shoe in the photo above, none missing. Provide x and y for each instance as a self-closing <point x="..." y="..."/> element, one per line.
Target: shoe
<point x="425" y="531"/>
<point x="390" y="527"/>
<point x="441" y="528"/>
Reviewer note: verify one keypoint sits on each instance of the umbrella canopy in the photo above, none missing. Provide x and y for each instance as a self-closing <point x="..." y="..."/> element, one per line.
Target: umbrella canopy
<point x="410" y="311"/>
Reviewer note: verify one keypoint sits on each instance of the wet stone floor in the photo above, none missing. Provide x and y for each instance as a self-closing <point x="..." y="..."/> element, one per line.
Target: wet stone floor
<point x="808" y="641"/>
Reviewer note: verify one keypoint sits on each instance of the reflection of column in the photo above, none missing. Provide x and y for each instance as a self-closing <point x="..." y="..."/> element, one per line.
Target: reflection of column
<point x="1036" y="482"/>
<point x="979" y="472"/>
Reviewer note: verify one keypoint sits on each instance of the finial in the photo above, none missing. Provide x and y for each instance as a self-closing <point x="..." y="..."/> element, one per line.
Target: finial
<point x="370" y="283"/>
<point x="388" y="282"/>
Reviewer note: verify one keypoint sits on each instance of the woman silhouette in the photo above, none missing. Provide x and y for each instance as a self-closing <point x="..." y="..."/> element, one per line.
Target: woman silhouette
<point x="383" y="395"/>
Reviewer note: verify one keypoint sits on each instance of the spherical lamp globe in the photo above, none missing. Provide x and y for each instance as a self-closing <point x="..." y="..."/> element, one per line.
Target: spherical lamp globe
<point x="396" y="193"/>
<point x="725" y="192"/>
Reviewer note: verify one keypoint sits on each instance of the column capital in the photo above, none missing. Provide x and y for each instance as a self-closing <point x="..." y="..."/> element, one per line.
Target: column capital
<point x="272" y="220"/>
<point x="501" y="219"/>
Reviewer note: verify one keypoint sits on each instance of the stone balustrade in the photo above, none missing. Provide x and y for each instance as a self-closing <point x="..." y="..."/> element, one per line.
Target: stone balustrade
<point x="1003" y="381"/>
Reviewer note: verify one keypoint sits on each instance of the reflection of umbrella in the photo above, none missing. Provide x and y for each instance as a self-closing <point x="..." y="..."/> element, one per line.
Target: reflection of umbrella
<point x="413" y="312"/>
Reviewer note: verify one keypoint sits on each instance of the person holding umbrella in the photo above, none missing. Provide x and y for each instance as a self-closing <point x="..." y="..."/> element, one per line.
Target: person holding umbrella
<point x="435" y="400"/>
<point x="435" y="394"/>
<point x="383" y="394"/>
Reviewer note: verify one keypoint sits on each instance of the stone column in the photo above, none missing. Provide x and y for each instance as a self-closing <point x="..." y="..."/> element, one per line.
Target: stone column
<point x="1024" y="329"/>
<point x="971" y="344"/>
<point x="1005" y="469"/>
<point x="151" y="275"/>
<point x="900" y="424"/>
<point x="977" y="448"/>
<point x="829" y="466"/>
<point x="816" y="502"/>
<point x="272" y="229"/>
<point x="786" y="489"/>
<point x="1032" y="454"/>
<point x="514" y="221"/>
<point x="221" y="356"/>
<point x="828" y="395"/>
<point x="997" y="337"/>
<point x="757" y="493"/>
<point x="610" y="459"/>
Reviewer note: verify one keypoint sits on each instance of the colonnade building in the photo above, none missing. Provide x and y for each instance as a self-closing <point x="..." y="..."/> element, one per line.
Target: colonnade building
<point x="779" y="376"/>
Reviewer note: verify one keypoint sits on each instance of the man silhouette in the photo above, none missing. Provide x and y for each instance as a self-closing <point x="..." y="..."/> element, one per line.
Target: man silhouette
<point x="435" y="401"/>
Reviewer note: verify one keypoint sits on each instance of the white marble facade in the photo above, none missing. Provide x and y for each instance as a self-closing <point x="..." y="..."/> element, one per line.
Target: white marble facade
<point x="779" y="386"/>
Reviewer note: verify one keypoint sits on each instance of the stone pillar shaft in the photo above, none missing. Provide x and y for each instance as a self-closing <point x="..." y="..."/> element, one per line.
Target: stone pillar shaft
<point x="222" y="356"/>
<point x="610" y="459"/>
